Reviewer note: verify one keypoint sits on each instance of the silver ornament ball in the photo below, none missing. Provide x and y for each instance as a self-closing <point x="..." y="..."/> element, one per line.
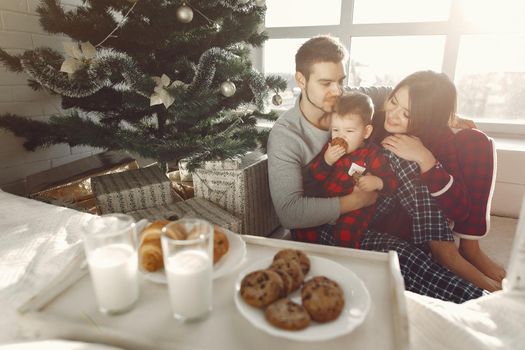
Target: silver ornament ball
<point x="228" y="88"/>
<point x="277" y="100"/>
<point x="260" y="3"/>
<point x="184" y="14"/>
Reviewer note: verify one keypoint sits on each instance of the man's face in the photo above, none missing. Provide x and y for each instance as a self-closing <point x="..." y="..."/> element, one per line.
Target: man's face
<point x="324" y="85"/>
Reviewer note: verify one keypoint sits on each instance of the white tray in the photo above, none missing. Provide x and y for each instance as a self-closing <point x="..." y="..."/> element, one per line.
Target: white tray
<point x="67" y="309"/>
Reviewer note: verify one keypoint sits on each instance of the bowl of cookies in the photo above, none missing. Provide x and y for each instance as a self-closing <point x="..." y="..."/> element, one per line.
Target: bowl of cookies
<point x="300" y="297"/>
<point x="228" y="252"/>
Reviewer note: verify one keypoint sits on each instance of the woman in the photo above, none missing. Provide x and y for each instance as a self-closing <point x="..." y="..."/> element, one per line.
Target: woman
<point x="446" y="177"/>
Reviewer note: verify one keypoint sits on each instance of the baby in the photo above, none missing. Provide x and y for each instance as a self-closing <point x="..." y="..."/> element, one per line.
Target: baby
<point x="347" y="161"/>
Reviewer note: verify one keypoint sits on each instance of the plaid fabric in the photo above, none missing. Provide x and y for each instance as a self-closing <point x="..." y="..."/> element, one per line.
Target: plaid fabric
<point x="462" y="182"/>
<point x="420" y="273"/>
<point x="334" y="181"/>
<point x="427" y="221"/>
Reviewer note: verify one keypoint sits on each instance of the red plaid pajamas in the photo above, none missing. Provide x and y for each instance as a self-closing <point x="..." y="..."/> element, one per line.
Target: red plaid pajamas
<point x="323" y="180"/>
<point x="462" y="180"/>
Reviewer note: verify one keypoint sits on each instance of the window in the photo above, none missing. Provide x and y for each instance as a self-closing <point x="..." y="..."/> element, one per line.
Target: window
<point x="395" y="11"/>
<point x="477" y="43"/>
<point x="490" y="77"/>
<point x="406" y="54"/>
<point x="296" y="13"/>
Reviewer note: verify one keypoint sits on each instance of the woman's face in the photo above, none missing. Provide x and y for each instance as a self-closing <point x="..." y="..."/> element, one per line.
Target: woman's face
<point x="397" y="112"/>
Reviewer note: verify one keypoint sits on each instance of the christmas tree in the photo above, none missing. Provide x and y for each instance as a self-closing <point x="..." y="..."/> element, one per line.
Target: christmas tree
<point x="164" y="79"/>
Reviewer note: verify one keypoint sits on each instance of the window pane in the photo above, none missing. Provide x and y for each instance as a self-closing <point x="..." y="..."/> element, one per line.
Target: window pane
<point x="387" y="60"/>
<point x="490" y="77"/>
<point x="400" y="11"/>
<point x="297" y="13"/>
<point x="279" y="58"/>
<point x="506" y="15"/>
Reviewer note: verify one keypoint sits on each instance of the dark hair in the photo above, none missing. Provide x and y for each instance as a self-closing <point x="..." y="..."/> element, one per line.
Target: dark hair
<point x="322" y="48"/>
<point x="356" y="103"/>
<point x="432" y="102"/>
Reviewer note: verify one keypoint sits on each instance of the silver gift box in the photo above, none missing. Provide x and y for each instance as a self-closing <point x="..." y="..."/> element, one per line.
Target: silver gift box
<point x="241" y="187"/>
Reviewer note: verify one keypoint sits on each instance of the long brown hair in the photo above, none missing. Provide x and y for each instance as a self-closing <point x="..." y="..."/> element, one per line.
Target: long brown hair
<point x="432" y="103"/>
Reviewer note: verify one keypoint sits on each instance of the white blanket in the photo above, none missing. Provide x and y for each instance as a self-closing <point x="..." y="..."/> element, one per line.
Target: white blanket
<point x="37" y="241"/>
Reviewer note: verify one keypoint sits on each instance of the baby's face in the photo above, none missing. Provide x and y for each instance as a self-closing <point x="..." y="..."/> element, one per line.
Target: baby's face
<point x="351" y="128"/>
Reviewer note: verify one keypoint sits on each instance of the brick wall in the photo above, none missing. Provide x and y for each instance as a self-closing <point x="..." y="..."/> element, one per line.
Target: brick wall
<point x="20" y="30"/>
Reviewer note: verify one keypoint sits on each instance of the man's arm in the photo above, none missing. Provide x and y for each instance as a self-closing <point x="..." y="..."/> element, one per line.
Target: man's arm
<point x="285" y="166"/>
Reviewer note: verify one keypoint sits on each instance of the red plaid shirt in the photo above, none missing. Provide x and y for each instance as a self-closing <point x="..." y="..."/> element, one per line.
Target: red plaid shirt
<point x="323" y="180"/>
<point x="462" y="180"/>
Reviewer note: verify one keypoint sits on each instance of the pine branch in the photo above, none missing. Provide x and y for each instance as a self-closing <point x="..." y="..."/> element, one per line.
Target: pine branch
<point x="11" y="62"/>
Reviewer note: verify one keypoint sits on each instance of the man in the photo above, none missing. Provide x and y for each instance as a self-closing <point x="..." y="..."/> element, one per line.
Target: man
<point x="300" y="134"/>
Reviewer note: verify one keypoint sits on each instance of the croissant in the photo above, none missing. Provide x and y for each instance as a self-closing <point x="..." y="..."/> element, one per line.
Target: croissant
<point x="150" y="251"/>
<point x="220" y="244"/>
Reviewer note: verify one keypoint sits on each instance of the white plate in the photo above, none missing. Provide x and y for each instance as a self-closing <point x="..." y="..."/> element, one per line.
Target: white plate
<point x="227" y="264"/>
<point x="357" y="302"/>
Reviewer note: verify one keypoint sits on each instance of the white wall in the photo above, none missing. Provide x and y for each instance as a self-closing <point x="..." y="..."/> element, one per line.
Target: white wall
<point x="20" y="30"/>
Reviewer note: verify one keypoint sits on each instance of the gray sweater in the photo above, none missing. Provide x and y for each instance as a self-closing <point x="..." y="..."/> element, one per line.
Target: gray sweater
<point x="292" y="144"/>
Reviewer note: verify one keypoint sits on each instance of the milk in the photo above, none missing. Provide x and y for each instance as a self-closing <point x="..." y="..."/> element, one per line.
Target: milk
<point x="113" y="271"/>
<point x="189" y="275"/>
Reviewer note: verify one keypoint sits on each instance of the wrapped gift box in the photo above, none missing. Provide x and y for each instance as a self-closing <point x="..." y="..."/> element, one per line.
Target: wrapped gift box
<point x="133" y="190"/>
<point x="70" y="184"/>
<point x="241" y="187"/>
<point x="194" y="207"/>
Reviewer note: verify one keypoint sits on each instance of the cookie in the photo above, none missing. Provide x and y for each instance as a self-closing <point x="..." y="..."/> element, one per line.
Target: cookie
<point x="261" y="288"/>
<point x="292" y="268"/>
<point x="324" y="280"/>
<point x="323" y="299"/>
<point x="294" y="254"/>
<point x="287" y="281"/>
<point x="286" y="314"/>
<point x="339" y="141"/>
<point x="220" y="244"/>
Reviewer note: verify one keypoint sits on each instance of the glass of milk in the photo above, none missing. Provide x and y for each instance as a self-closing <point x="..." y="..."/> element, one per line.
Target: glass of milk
<point x="187" y="247"/>
<point x="110" y="246"/>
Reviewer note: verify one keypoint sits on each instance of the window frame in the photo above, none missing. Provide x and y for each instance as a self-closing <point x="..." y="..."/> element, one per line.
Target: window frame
<point x="452" y="29"/>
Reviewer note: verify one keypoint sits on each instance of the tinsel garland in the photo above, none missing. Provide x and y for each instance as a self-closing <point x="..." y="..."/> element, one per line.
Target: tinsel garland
<point x="95" y="76"/>
<point x="205" y="71"/>
<point x="234" y="5"/>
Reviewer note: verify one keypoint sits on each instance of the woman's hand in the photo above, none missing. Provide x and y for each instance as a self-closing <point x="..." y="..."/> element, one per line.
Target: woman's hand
<point x="333" y="153"/>
<point x="410" y="148"/>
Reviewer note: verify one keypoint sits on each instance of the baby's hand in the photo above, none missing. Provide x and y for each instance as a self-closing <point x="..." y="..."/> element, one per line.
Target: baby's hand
<point x="333" y="153"/>
<point x="369" y="183"/>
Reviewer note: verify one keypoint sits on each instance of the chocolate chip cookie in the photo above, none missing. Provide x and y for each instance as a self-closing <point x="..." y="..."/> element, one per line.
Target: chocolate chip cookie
<point x="294" y="254"/>
<point x="286" y="314"/>
<point x="323" y="299"/>
<point x="261" y="287"/>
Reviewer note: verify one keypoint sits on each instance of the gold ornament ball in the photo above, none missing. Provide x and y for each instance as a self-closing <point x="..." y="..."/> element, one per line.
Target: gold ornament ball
<point x="228" y="89"/>
<point x="184" y="14"/>
<point x="260" y="3"/>
<point x="277" y="100"/>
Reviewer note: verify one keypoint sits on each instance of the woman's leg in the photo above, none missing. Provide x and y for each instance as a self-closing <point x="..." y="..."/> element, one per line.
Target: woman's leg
<point x="421" y="274"/>
<point x="429" y="225"/>
<point x="471" y="251"/>
<point x="447" y="254"/>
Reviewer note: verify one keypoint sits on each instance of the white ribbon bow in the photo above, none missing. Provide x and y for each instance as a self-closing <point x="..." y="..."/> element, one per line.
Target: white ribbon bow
<point x="77" y="57"/>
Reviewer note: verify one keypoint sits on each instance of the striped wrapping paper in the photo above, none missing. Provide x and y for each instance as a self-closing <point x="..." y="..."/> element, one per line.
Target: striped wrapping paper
<point x="241" y="187"/>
